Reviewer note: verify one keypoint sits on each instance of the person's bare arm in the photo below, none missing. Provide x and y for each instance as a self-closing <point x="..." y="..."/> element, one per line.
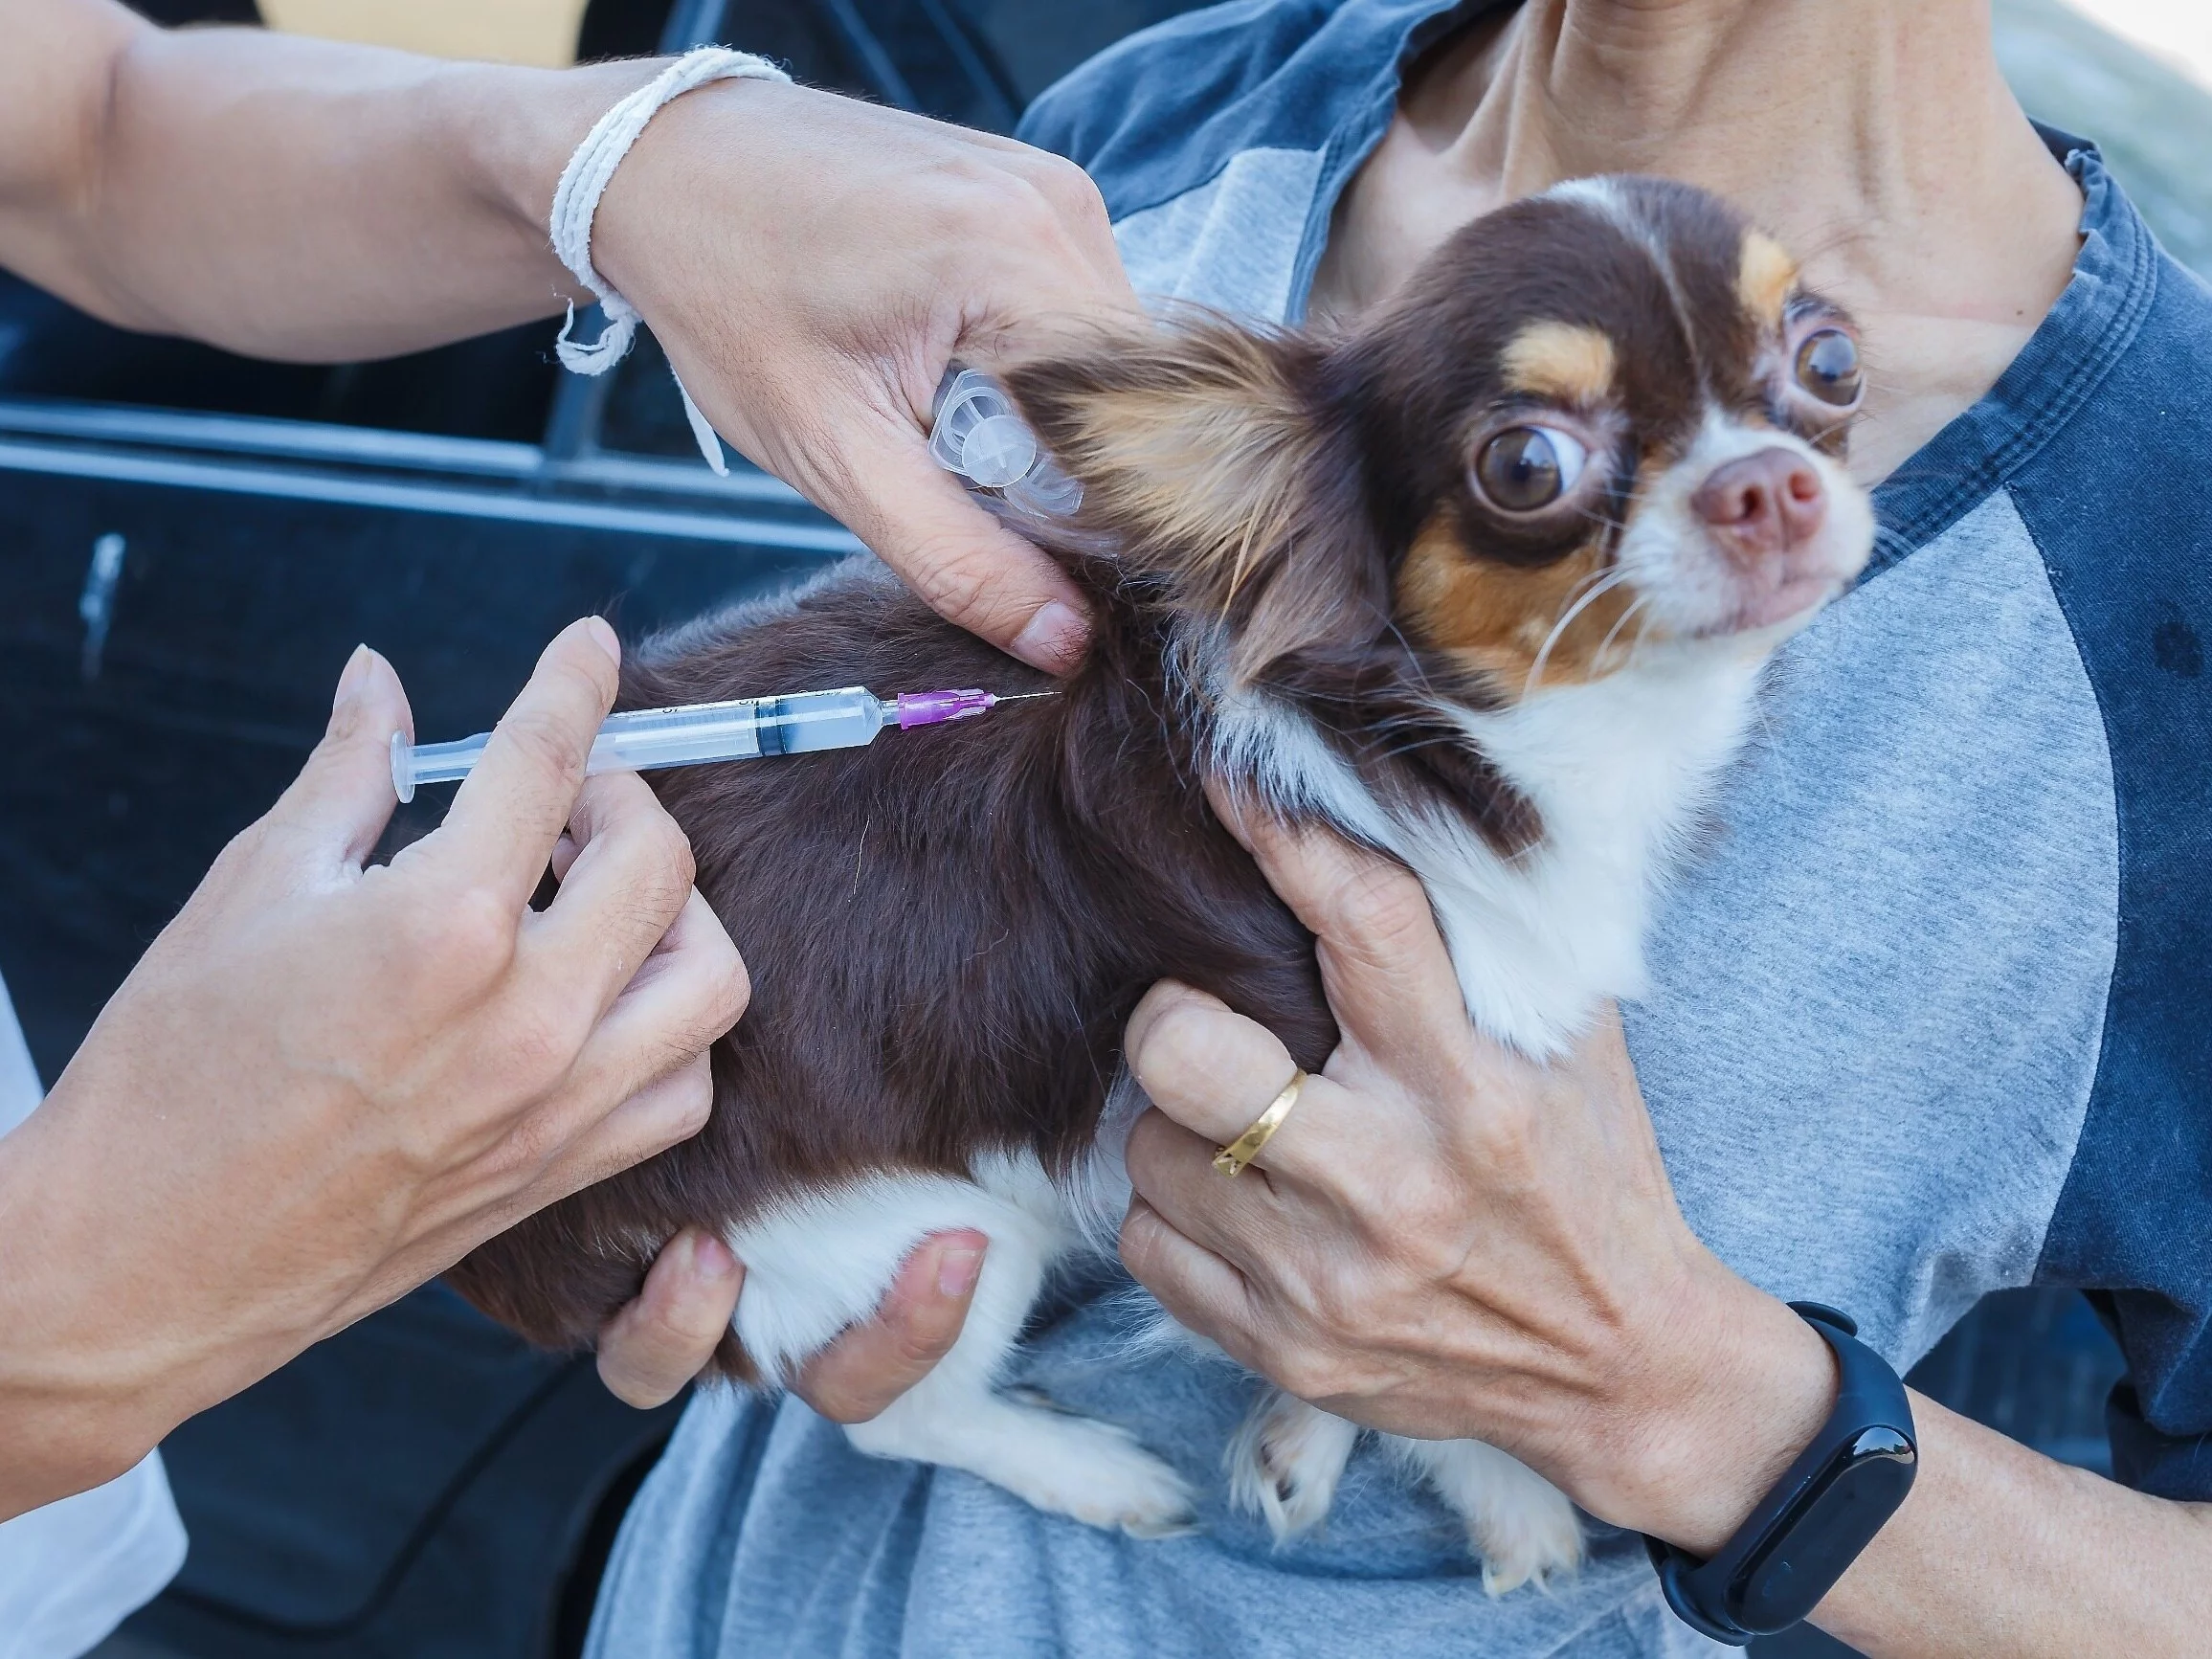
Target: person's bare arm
<point x="811" y="262"/>
<point x="1446" y="1241"/>
<point x="2001" y="1550"/>
<point x="281" y="196"/>
<point x="326" y="1082"/>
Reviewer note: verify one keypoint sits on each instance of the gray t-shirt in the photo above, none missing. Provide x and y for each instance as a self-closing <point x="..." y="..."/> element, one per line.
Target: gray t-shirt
<point x="1927" y="1017"/>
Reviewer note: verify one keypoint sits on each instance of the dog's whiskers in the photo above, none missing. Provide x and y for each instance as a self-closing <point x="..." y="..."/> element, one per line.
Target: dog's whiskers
<point x="1613" y="632"/>
<point x="1606" y="584"/>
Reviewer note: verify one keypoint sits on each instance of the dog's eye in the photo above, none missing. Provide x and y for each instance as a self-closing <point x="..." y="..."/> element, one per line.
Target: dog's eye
<point x="1828" y="368"/>
<point x="1527" y="467"/>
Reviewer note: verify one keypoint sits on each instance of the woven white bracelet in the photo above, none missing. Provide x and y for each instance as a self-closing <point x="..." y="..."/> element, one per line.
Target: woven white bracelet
<point x="576" y="203"/>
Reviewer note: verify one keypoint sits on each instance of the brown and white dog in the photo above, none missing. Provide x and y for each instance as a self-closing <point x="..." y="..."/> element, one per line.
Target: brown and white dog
<point x="1487" y="582"/>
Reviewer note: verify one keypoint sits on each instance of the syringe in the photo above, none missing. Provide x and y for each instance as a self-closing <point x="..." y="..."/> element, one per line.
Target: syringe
<point x="742" y="730"/>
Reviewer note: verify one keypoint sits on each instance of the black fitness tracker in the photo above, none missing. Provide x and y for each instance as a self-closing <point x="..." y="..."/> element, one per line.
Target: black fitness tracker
<point x="1818" y="1516"/>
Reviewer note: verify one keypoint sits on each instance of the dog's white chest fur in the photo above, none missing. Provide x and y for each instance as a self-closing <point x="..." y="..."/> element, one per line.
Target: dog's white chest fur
<point x="1618" y="771"/>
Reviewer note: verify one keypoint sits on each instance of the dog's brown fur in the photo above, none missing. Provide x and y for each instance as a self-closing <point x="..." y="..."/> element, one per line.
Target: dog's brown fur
<point x="946" y="930"/>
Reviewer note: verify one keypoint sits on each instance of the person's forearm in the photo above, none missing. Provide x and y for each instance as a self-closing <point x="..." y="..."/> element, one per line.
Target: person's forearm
<point x="53" y="1439"/>
<point x="1996" y="1550"/>
<point x="287" y="197"/>
<point x="2000" y="1550"/>
<point x="811" y="263"/>
<point x="82" y="1393"/>
<point x="325" y="1082"/>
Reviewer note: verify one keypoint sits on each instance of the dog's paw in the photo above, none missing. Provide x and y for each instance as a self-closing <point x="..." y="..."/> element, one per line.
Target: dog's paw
<point x="1528" y="1534"/>
<point x="1093" y="1472"/>
<point x="1284" y="1463"/>
<point x="1520" y="1524"/>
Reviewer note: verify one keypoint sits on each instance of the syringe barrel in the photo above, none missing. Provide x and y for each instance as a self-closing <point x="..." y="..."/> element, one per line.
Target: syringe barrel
<point x="647" y="738"/>
<point x="751" y="725"/>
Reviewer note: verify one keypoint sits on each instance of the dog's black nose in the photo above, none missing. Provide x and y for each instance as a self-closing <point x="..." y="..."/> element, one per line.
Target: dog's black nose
<point x="1763" y="503"/>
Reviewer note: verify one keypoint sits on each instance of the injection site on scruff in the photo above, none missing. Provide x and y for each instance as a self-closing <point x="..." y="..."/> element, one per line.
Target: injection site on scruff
<point x="976" y="435"/>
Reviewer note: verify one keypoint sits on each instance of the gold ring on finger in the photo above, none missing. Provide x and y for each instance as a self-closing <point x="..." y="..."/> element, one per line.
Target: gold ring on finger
<point x="1232" y="1159"/>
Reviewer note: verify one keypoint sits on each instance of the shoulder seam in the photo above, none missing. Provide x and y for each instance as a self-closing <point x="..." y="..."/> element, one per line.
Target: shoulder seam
<point x="1995" y="469"/>
<point x="2119" y="909"/>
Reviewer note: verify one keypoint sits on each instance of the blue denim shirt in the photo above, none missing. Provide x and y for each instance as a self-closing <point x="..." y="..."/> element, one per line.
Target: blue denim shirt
<point x="1929" y="1019"/>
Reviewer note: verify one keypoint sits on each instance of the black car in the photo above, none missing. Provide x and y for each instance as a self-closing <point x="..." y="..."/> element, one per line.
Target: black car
<point x="194" y="543"/>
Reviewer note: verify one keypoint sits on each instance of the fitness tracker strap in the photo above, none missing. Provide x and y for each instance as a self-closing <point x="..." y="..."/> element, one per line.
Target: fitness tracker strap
<point x="1811" y="1527"/>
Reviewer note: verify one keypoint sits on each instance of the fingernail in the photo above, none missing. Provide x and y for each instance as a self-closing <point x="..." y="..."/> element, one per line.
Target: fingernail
<point x="603" y="636"/>
<point x="351" y="680"/>
<point x="957" y="1271"/>
<point x="1053" y="638"/>
<point x="710" y="1257"/>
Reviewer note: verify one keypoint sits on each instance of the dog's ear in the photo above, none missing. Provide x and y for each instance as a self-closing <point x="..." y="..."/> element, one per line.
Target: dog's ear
<point x="1223" y="464"/>
<point x="1188" y="439"/>
<point x="1213" y="461"/>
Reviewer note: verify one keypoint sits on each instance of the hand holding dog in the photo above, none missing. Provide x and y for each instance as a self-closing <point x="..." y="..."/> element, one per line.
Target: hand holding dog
<point x="812" y="263"/>
<point x="1447" y="1241"/>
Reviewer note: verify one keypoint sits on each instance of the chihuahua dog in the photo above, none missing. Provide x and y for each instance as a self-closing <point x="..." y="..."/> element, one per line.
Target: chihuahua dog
<point x="1484" y="582"/>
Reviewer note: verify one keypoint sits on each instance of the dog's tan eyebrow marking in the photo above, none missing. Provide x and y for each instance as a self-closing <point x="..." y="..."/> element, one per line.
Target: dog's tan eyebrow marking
<point x="1765" y="276"/>
<point x="1566" y="362"/>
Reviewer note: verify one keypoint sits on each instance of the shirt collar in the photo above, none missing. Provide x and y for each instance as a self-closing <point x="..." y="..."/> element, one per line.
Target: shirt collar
<point x="2064" y="362"/>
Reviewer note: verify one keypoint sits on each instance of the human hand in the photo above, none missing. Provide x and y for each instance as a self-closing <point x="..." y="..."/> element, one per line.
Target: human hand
<point x="324" y="1084"/>
<point x="1446" y="1239"/>
<point x="661" y="1341"/>
<point x="812" y="263"/>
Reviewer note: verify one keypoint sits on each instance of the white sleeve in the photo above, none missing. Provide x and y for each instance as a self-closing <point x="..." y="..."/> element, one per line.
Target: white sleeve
<point x="20" y="1087"/>
<point x="70" y="1572"/>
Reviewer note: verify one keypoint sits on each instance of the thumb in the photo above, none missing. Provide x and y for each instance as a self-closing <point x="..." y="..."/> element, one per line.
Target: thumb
<point x="343" y="796"/>
<point x="860" y="1373"/>
<point x="966" y="566"/>
<point x="1388" y="976"/>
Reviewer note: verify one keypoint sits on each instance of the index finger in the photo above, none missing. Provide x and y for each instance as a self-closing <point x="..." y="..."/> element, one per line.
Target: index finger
<point x="512" y="808"/>
<point x="664" y="1339"/>
<point x="1383" y="962"/>
<point x="964" y="564"/>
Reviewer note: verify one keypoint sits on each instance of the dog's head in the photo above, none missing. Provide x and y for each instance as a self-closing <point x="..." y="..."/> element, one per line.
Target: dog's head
<point x="1599" y="429"/>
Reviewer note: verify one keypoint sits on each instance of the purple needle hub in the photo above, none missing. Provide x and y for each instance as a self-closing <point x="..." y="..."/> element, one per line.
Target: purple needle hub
<point x="935" y="708"/>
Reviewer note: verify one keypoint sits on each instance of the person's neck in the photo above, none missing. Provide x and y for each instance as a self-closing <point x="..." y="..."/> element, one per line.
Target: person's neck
<point x="1878" y="141"/>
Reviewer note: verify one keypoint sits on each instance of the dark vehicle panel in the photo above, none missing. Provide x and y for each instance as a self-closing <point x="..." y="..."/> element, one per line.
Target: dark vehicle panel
<point x="245" y="579"/>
